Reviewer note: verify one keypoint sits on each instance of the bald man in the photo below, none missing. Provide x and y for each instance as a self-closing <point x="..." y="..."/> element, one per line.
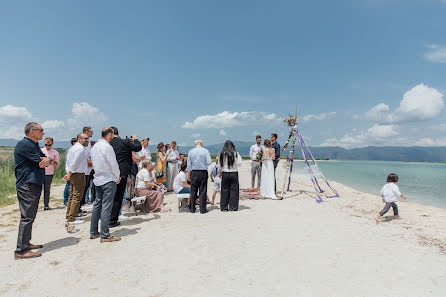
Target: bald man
<point x="76" y="169"/>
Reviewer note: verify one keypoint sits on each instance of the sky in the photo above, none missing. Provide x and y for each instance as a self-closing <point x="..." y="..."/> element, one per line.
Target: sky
<point x="360" y="72"/>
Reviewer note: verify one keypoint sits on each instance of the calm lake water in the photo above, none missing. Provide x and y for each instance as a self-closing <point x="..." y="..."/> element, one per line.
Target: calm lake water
<point x="423" y="183"/>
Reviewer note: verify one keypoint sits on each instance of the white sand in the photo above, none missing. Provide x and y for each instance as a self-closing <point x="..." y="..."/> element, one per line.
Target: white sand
<point x="292" y="247"/>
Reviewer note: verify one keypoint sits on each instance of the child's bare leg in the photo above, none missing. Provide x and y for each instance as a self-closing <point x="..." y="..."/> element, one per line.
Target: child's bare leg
<point x="378" y="218"/>
<point x="213" y="196"/>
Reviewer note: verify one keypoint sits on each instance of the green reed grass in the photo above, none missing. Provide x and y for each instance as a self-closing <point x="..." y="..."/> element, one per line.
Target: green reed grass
<point x="7" y="177"/>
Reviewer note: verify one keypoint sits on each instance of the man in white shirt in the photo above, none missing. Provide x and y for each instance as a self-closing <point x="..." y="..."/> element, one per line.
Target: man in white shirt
<point x="172" y="167"/>
<point x="76" y="169"/>
<point x="106" y="177"/>
<point x="254" y="153"/>
<point x="145" y="152"/>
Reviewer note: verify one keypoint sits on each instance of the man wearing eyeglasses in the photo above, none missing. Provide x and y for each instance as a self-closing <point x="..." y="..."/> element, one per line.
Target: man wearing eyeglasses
<point x="76" y="169"/>
<point x="49" y="170"/>
<point x="29" y="162"/>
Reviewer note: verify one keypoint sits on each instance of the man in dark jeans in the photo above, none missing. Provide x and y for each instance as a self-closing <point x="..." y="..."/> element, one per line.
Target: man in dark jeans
<point x="123" y="149"/>
<point x="29" y="170"/>
<point x="276" y="146"/>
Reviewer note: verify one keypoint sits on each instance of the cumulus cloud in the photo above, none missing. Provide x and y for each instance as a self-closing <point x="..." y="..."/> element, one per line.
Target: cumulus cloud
<point x="375" y="135"/>
<point x="11" y="112"/>
<point x="421" y="103"/>
<point x="53" y="124"/>
<point x="222" y="132"/>
<point x="13" y="120"/>
<point x="228" y="119"/>
<point x="318" y="117"/>
<point x="85" y="114"/>
<point x="436" y="53"/>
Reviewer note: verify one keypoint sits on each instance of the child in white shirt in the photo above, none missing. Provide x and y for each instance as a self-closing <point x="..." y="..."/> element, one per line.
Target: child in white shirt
<point x="390" y="193"/>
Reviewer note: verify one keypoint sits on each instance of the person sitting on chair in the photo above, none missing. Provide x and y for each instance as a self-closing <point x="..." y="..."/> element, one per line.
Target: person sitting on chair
<point x="146" y="186"/>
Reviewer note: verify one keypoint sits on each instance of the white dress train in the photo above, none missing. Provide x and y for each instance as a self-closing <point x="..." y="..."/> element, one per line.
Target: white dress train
<point x="267" y="178"/>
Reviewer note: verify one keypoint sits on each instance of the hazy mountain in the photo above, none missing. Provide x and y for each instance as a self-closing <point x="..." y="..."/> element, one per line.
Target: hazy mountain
<point x="388" y="153"/>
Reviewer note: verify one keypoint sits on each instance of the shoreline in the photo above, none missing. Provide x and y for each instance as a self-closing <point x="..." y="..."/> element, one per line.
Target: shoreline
<point x="292" y="247"/>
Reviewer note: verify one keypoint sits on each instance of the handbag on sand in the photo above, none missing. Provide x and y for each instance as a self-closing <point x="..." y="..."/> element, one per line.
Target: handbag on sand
<point x="159" y="173"/>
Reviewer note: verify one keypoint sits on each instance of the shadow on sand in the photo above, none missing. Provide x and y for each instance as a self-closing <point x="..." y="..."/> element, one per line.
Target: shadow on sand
<point x="59" y="243"/>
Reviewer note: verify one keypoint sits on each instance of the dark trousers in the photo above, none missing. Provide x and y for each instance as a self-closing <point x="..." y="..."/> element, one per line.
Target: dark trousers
<point x="229" y="191"/>
<point x="275" y="162"/>
<point x="387" y="207"/>
<point x="198" y="182"/>
<point x="117" y="202"/>
<point x="28" y="196"/>
<point x="87" y="187"/>
<point x="46" y="190"/>
<point x="66" y="192"/>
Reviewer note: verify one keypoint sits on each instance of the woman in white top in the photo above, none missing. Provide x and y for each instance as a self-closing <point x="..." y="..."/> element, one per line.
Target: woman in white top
<point x="267" y="176"/>
<point x="146" y="186"/>
<point x="230" y="159"/>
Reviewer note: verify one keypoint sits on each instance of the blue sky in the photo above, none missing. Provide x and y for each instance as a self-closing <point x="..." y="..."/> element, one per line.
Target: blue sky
<point x="362" y="72"/>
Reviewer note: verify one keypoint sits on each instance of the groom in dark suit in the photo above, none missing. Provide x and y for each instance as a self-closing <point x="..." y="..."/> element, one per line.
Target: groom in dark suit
<point x="276" y="146"/>
<point x="123" y="149"/>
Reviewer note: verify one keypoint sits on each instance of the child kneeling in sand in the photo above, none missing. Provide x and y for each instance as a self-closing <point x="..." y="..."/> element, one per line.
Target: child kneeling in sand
<point x="390" y="193"/>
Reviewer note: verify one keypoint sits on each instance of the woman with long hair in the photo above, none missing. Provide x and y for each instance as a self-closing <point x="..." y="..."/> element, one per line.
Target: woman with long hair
<point x="161" y="163"/>
<point x="229" y="160"/>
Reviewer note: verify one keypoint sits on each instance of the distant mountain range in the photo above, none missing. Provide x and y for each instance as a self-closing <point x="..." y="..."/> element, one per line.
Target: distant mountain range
<point x="387" y="153"/>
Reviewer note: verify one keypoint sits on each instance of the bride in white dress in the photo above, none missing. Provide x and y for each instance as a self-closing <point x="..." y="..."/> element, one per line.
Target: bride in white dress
<point x="267" y="176"/>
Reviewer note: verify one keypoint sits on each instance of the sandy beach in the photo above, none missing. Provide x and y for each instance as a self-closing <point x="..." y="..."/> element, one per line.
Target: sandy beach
<point x="292" y="247"/>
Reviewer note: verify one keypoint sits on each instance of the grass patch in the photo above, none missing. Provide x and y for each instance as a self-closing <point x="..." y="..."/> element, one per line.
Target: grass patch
<point x="7" y="177"/>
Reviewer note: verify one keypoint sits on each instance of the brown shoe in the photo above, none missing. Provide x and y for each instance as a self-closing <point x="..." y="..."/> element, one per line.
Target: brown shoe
<point x="35" y="246"/>
<point x="27" y="255"/>
<point x="110" y="239"/>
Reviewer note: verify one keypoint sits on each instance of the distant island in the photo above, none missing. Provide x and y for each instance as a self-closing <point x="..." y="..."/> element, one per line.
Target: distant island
<point x="372" y="153"/>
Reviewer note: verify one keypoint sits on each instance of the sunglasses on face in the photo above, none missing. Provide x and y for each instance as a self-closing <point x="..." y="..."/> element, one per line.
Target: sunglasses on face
<point x="48" y="145"/>
<point x="40" y="130"/>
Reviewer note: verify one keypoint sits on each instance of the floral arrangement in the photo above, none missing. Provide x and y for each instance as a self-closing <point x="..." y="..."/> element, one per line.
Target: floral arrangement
<point x="291" y="120"/>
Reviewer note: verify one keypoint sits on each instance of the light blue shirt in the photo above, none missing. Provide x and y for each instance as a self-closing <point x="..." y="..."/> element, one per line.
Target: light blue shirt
<point x="198" y="159"/>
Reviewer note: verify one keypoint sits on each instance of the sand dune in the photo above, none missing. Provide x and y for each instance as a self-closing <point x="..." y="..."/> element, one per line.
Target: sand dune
<point x="292" y="247"/>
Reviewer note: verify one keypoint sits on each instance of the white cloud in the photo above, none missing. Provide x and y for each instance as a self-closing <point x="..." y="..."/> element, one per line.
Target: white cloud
<point x="436" y="53"/>
<point x="195" y="135"/>
<point x="421" y="103"/>
<point x="53" y="124"/>
<point x="426" y="141"/>
<point x="222" y="132"/>
<point x="228" y="119"/>
<point x="13" y="120"/>
<point x="85" y="115"/>
<point x="11" y="112"/>
<point x="319" y="117"/>
<point x="382" y="131"/>
<point x="376" y="135"/>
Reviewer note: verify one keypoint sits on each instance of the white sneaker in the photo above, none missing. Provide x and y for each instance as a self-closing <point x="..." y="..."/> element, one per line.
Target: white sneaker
<point x="78" y="221"/>
<point x="122" y="218"/>
<point x="87" y="207"/>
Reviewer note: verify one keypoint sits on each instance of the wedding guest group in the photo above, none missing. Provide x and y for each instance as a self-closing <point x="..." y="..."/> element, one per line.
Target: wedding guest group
<point x="121" y="168"/>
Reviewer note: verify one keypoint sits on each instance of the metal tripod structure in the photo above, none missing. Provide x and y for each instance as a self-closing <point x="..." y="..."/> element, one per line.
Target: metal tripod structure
<point x="310" y="163"/>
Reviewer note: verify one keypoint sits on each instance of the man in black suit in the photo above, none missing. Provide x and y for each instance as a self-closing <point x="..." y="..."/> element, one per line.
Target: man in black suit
<point x="276" y="146"/>
<point x="123" y="149"/>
